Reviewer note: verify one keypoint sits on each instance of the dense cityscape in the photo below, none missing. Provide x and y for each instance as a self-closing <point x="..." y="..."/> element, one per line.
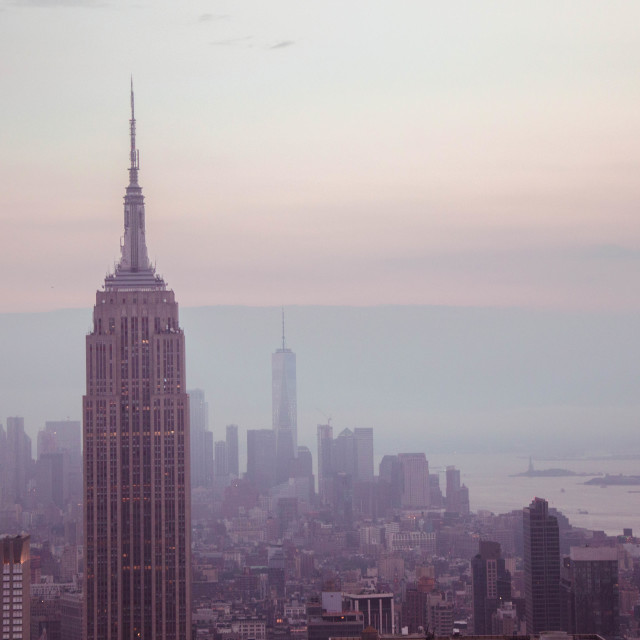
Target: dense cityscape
<point x="136" y="523"/>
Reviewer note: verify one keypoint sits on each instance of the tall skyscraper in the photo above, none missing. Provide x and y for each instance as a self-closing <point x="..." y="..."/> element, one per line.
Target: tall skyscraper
<point x="233" y="462"/>
<point x="343" y="458"/>
<point x="491" y="585"/>
<point x="325" y="465"/>
<point x="220" y="466"/>
<point x="452" y="488"/>
<point x="201" y="464"/>
<point x="457" y="495"/>
<point x="595" y="591"/>
<point x="541" y="568"/>
<point x="19" y="461"/>
<point x="415" y="480"/>
<point x="64" y="438"/>
<point x="136" y="449"/>
<point x="15" y="597"/>
<point x="284" y="407"/>
<point x="261" y="458"/>
<point x="364" y="453"/>
<point x="3" y="466"/>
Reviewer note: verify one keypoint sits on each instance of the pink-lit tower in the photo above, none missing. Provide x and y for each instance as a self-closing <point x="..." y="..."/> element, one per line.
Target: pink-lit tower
<point x="137" y="492"/>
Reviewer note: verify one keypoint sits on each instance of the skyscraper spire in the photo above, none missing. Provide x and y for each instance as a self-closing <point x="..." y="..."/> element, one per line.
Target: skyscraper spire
<point x="134" y="271"/>
<point x="134" y="154"/>
<point x="283" y="347"/>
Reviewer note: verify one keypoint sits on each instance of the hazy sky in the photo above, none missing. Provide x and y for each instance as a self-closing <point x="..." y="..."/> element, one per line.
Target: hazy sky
<point x="297" y="152"/>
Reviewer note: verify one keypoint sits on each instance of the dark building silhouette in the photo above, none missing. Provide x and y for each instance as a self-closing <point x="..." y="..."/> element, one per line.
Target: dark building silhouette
<point x="52" y="479"/>
<point x="595" y="591"/>
<point x="137" y="537"/>
<point x="541" y="568"/>
<point x="363" y="437"/>
<point x="343" y="624"/>
<point x="232" y="450"/>
<point x="389" y="483"/>
<point x="415" y="480"/>
<point x="491" y="585"/>
<point x="325" y="462"/>
<point x="261" y="458"/>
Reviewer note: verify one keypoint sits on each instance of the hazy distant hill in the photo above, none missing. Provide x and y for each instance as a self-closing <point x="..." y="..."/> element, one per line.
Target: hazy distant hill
<point x="427" y="378"/>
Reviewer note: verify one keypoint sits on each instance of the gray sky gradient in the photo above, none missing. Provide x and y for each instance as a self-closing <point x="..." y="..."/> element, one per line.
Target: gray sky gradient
<point x="426" y="378"/>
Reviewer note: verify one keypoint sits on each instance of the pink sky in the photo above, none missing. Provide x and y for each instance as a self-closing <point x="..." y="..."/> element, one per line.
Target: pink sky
<point x="326" y="153"/>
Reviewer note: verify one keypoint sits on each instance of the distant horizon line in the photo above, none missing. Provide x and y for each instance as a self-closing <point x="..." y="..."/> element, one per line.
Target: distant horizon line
<point x="495" y="307"/>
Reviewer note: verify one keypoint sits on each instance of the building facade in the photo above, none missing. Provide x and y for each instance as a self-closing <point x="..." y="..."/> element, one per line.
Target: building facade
<point x="233" y="461"/>
<point x="491" y="584"/>
<point x="541" y="537"/>
<point x="261" y="458"/>
<point x="137" y="514"/>
<point x="364" y="453"/>
<point x="595" y="590"/>
<point x="15" y="597"/>
<point x="201" y="463"/>
<point x="415" y="480"/>
<point x="325" y="463"/>
<point x="284" y="407"/>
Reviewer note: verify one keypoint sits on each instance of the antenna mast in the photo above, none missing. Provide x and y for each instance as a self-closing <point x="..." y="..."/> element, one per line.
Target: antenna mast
<point x="283" y="328"/>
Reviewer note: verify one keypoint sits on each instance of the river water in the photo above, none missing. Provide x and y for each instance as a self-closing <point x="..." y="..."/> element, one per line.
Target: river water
<point x="492" y="487"/>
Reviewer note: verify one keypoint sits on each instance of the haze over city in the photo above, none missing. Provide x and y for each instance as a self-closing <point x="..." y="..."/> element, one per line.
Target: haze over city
<point x="382" y="382"/>
<point x="460" y="156"/>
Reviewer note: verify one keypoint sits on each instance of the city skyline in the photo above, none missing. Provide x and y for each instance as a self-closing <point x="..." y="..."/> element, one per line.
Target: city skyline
<point x="423" y="155"/>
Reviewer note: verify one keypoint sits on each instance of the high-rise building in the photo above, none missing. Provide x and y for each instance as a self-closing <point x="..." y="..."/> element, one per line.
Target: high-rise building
<point x="15" y="597"/>
<point x="440" y="614"/>
<point x="325" y="464"/>
<point x="343" y="458"/>
<point x="67" y="434"/>
<point x="62" y="438"/>
<point x="18" y="461"/>
<point x="491" y="585"/>
<point x="137" y="507"/>
<point x="220" y="466"/>
<point x="201" y="464"/>
<point x="284" y="407"/>
<point x="52" y="479"/>
<point x="261" y="458"/>
<point x="233" y="461"/>
<point x="457" y="500"/>
<point x="3" y="465"/>
<point x="595" y="592"/>
<point x="364" y="453"/>
<point x="415" y="480"/>
<point x="452" y="487"/>
<point x="541" y="537"/>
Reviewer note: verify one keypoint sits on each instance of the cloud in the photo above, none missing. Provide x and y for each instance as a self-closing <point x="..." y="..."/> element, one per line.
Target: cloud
<point x="282" y="44"/>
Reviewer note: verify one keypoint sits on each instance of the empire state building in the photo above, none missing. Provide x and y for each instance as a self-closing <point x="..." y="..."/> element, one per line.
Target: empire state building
<point x="137" y="498"/>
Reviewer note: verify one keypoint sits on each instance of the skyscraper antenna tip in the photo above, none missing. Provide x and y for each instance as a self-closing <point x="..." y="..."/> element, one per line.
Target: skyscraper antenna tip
<point x="283" y="328"/>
